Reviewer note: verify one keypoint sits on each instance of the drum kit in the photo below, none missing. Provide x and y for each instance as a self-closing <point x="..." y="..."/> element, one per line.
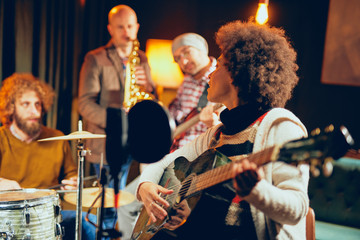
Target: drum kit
<point x="35" y="213"/>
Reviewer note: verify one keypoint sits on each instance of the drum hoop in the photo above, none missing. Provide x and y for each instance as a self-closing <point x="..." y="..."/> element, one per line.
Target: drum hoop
<point x="33" y="202"/>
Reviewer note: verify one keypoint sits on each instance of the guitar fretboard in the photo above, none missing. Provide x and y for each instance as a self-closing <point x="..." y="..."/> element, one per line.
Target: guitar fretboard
<point x="225" y="172"/>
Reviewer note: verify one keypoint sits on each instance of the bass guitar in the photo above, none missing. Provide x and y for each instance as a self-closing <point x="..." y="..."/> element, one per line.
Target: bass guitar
<point x="189" y="179"/>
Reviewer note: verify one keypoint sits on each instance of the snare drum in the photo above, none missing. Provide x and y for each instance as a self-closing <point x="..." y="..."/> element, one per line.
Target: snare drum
<point x="30" y="214"/>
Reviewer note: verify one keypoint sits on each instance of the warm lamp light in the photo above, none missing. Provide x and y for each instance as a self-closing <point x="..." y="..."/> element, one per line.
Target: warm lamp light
<point x="262" y="15"/>
<point x="164" y="71"/>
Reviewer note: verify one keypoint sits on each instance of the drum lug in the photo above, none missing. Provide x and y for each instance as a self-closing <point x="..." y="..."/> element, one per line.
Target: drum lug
<point x="27" y="215"/>
<point x="9" y="234"/>
<point x="5" y="236"/>
<point x="59" y="230"/>
<point x="57" y="210"/>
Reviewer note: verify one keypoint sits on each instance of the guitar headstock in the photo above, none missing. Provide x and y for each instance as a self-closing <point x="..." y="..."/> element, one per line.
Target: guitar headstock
<point x="319" y="149"/>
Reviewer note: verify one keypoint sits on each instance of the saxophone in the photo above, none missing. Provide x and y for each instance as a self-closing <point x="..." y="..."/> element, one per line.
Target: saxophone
<point x="133" y="92"/>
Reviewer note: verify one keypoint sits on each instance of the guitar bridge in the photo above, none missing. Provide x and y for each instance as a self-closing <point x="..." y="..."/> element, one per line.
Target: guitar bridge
<point x="152" y="229"/>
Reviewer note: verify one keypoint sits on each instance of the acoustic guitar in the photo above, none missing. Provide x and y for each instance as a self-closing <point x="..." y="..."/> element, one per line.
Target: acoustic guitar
<point x="189" y="179"/>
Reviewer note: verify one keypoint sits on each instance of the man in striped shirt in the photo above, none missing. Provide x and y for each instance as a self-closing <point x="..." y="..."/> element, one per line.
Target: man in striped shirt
<point x="190" y="52"/>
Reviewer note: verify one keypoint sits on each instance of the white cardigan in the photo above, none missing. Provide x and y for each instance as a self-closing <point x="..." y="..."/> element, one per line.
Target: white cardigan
<point x="279" y="201"/>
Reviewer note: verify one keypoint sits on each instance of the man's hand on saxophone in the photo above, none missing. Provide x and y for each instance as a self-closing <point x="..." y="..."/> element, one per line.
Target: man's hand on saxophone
<point x="142" y="79"/>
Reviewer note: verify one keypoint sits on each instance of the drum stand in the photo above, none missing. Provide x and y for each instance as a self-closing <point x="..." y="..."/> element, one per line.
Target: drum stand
<point x="80" y="182"/>
<point x="81" y="152"/>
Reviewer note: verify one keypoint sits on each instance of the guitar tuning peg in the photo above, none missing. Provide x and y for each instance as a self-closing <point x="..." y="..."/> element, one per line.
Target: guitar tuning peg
<point x="316" y="131"/>
<point x="327" y="167"/>
<point x="314" y="170"/>
<point x="329" y="128"/>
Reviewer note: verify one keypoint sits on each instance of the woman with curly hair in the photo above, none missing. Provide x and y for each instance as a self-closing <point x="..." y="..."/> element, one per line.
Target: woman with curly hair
<point x="254" y="78"/>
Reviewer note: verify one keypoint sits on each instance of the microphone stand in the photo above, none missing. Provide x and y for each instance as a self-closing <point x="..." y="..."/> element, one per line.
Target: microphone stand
<point x="101" y="232"/>
<point x="103" y="182"/>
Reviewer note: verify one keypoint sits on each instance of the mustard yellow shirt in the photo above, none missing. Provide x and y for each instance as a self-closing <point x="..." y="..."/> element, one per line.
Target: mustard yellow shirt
<point x="35" y="164"/>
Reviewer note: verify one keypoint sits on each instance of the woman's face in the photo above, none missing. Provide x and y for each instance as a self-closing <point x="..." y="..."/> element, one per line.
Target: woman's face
<point x="221" y="89"/>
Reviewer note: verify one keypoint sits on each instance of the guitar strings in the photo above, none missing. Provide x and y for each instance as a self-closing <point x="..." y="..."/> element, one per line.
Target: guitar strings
<point x="202" y="181"/>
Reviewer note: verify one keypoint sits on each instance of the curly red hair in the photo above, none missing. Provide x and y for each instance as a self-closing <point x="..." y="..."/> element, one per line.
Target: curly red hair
<point x="15" y="86"/>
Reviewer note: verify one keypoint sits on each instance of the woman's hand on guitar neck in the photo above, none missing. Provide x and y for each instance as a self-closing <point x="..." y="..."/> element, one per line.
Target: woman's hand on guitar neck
<point x="246" y="176"/>
<point x="154" y="204"/>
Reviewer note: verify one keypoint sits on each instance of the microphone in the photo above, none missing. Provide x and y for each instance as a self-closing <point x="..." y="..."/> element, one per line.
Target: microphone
<point x="150" y="129"/>
<point x="116" y="139"/>
<point x="145" y="133"/>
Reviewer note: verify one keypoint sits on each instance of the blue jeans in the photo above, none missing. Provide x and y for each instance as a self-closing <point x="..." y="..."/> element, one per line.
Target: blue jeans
<point x="123" y="173"/>
<point x="69" y="223"/>
<point x="110" y="214"/>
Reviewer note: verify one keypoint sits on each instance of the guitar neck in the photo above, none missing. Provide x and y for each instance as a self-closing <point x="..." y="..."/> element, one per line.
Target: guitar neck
<point x="191" y="122"/>
<point x="225" y="172"/>
<point x="186" y="125"/>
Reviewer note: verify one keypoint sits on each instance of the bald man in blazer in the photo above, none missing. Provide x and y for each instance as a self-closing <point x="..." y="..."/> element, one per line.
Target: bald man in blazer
<point x="102" y="76"/>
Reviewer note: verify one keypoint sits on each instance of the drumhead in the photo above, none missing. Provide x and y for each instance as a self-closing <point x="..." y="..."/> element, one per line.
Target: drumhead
<point x="20" y="197"/>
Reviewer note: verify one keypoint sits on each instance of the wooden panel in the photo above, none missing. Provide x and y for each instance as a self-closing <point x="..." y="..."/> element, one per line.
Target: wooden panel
<point x="342" y="44"/>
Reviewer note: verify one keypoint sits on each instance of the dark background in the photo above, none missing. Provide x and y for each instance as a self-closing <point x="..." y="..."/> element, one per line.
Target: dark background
<point x="50" y="39"/>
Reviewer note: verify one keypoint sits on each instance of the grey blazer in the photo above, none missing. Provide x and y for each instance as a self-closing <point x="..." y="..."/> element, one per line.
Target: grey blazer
<point x="101" y="85"/>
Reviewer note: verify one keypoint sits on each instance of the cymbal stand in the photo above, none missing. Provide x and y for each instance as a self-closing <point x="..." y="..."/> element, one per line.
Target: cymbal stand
<point x="80" y="182"/>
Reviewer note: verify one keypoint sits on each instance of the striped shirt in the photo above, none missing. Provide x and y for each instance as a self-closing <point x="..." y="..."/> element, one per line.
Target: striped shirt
<point x="187" y="98"/>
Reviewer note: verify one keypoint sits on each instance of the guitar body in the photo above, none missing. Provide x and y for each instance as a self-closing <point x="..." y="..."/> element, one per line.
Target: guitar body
<point x="179" y="179"/>
<point x="190" y="179"/>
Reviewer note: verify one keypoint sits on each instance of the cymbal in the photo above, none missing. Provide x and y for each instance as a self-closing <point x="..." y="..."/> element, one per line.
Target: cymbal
<point x="75" y="136"/>
<point x="89" y="195"/>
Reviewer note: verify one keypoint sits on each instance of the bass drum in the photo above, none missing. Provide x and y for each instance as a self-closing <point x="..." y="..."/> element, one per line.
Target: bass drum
<point x="30" y="214"/>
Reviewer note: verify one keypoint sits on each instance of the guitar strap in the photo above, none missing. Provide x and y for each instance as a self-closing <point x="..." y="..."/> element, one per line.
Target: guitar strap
<point x="203" y="98"/>
<point x="237" y="205"/>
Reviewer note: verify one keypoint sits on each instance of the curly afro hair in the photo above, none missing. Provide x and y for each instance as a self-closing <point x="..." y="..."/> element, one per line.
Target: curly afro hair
<point x="15" y="86"/>
<point x="261" y="61"/>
